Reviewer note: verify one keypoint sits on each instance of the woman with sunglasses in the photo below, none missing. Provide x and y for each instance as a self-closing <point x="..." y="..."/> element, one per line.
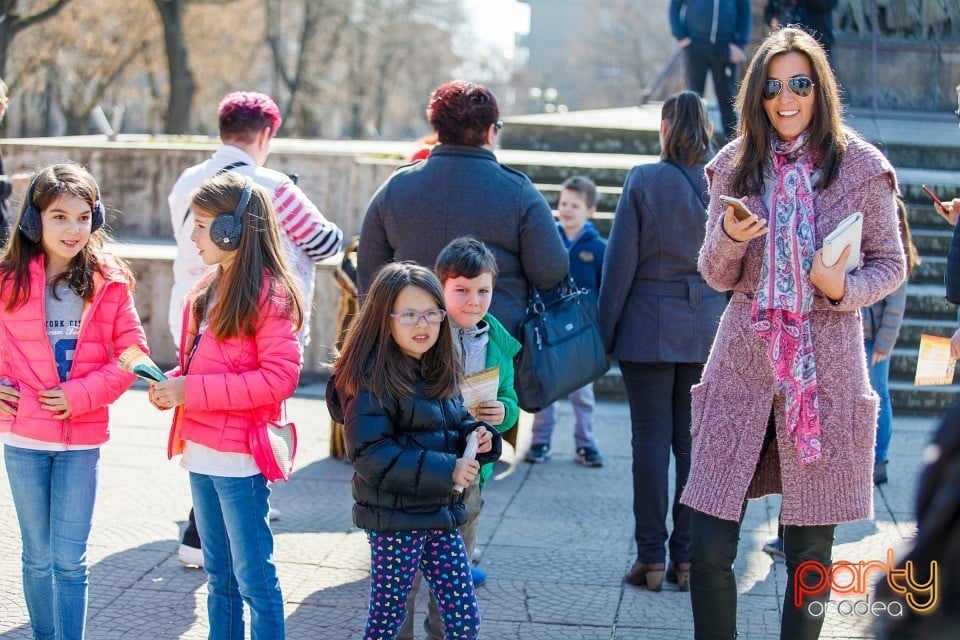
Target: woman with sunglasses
<point x="785" y="405"/>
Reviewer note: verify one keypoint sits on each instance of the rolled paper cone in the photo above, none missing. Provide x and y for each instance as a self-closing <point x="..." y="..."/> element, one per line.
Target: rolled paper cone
<point x="469" y="453"/>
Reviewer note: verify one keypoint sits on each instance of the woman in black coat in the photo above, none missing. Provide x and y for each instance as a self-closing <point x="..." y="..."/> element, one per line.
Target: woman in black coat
<point x="658" y="319"/>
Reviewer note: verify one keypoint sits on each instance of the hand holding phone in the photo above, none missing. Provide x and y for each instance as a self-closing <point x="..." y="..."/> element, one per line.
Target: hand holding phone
<point x="740" y="210"/>
<point x="932" y="195"/>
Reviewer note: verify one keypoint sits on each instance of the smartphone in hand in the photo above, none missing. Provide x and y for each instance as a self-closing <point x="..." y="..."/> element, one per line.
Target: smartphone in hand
<point x="932" y="195"/>
<point x="740" y="210"/>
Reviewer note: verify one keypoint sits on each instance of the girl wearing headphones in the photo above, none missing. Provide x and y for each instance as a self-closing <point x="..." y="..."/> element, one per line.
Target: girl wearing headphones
<point x="66" y="311"/>
<point x="239" y="361"/>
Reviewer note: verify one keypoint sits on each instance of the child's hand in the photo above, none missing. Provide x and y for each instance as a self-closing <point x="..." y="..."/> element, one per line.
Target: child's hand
<point x="484" y="440"/>
<point x="466" y="471"/>
<point x="55" y="400"/>
<point x="152" y="397"/>
<point x="490" y="411"/>
<point x="169" y="393"/>
<point x="9" y="397"/>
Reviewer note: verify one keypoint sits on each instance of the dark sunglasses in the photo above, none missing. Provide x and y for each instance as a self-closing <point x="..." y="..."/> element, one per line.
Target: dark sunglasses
<point x="800" y="86"/>
<point x="498" y="125"/>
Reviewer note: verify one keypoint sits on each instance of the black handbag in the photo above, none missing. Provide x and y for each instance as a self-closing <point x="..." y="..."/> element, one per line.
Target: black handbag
<point x="562" y="347"/>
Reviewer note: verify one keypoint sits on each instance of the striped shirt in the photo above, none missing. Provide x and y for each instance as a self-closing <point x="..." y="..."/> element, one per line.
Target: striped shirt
<point x="309" y="236"/>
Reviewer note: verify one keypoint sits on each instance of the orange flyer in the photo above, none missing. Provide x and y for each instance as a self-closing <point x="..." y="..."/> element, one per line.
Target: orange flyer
<point x="935" y="366"/>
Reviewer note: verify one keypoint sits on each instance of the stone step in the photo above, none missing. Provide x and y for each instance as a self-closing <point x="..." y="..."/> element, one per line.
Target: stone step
<point x="935" y="242"/>
<point x="903" y="362"/>
<point x="914" y="327"/>
<point x="908" y="399"/>
<point x="607" y="196"/>
<point x="909" y="139"/>
<point x="542" y="173"/>
<point x="922" y="216"/>
<point x="927" y="301"/>
<point x="151" y="261"/>
<point x="630" y="130"/>
<point x="944" y="183"/>
<point x="931" y="270"/>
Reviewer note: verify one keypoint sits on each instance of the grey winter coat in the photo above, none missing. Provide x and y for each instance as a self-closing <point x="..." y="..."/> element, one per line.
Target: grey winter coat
<point x="654" y="305"/>
<point x="464" y="191"/>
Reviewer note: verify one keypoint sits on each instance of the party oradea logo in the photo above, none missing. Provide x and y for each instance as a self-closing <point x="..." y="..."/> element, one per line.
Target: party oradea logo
<point x="845" y="577"/>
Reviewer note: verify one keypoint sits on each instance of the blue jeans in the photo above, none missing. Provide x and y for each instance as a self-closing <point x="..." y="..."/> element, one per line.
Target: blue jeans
<point x="53" y="493"/>
<point x="583" y="403"/>
<point x="879" y="380"/>
<point x="237" y="543"/>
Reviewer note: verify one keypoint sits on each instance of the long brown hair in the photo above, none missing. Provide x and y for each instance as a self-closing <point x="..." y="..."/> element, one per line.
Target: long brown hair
<point x="687" y="140"/>
<point x="238" y="289"/>
<point x="51" y="184"/>
<point x="370" y="359"/>
<point x="910" y="249"/>
<point x="827" y="139"/>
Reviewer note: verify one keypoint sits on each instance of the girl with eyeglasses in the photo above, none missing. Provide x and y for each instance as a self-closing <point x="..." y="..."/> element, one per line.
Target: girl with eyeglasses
<point x="395" y="388"/>
<point x="784" y="405"/>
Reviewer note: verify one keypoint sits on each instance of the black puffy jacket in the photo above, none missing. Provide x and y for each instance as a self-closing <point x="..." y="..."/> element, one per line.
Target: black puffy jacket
<point x="403" y="454"/>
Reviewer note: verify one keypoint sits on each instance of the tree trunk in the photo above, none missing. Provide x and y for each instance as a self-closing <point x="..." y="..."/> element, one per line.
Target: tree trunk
<point x="182" y="84"/>
<point x="12" y="23"/>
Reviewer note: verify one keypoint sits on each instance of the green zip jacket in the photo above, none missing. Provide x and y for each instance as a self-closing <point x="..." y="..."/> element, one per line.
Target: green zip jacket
<point x="501" y="349"/>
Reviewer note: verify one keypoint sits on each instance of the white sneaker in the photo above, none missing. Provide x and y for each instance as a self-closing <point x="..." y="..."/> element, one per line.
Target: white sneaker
<point x="190" y="556"/>
<point x="274" y="514"/>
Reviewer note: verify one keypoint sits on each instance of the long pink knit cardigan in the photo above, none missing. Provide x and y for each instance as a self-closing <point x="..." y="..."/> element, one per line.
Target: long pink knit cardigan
<point x="732" y="404"/>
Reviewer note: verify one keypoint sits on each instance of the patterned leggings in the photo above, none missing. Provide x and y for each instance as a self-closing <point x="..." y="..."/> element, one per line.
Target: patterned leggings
<point x="440" y="555"/>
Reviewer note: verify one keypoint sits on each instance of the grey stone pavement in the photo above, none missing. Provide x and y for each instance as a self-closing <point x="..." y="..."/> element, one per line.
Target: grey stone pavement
<point x="556" y="539"/>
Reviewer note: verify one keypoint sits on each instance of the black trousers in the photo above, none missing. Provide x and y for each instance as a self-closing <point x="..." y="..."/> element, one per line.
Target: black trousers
<point x="713" y="584"/>
<point x="701" y="58"/>
<point x="659" y="397"/>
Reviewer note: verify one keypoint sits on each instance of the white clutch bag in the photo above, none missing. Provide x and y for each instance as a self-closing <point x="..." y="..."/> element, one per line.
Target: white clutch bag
<point x="848" y="232"/>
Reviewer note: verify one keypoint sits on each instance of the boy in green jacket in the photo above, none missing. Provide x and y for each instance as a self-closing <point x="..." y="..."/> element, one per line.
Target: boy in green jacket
<point x="467" y="270"/>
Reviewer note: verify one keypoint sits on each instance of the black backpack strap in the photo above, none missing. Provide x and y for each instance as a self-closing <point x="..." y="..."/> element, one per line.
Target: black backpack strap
<point x="229" y="167"/>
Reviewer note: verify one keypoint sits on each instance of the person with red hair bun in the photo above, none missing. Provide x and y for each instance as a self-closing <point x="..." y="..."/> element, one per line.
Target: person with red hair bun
<point x="462" y="190"/>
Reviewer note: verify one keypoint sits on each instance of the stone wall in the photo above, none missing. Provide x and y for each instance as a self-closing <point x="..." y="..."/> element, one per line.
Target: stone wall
<point x="911" y="75"/>
<point x="136" y="173"/>
<point x="152" y="266"/>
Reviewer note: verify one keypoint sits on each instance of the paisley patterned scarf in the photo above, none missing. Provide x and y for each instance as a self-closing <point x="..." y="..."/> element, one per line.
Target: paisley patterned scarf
<point x="781" y="306"/>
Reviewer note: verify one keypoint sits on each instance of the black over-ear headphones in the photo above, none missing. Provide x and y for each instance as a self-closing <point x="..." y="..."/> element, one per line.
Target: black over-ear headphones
<point x="227" y="228"/>
<point x="31" y="224"/>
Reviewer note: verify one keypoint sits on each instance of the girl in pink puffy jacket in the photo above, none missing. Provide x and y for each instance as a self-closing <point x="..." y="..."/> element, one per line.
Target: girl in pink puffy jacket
<point x="239" y="360"/>
<point x="66" y="313"/>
